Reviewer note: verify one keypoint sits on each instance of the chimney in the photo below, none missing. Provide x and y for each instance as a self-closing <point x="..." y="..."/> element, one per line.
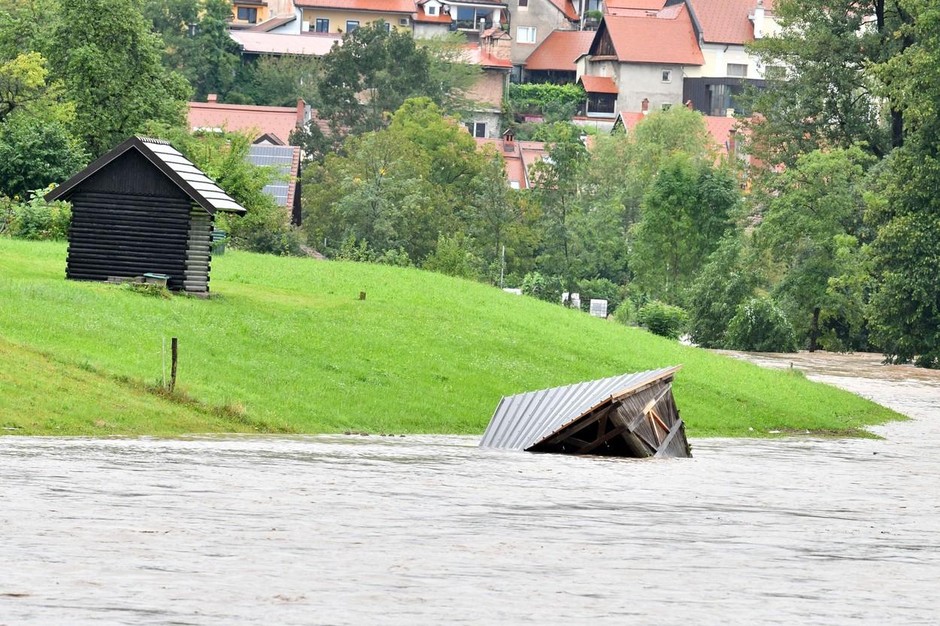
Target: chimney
<point x="759" y="20"/>
<point x="645" y="106"/>
<point x="213" y="98"/>
<point x="508" y="138"/>
<point x="301" y="112"/>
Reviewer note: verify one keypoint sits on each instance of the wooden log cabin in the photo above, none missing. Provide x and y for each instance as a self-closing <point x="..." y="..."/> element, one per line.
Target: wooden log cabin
<point x="143" y="208"/>
<point x="632" y="415"/>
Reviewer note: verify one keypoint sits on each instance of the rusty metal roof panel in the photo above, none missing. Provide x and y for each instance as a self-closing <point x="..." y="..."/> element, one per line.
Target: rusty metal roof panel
<point x="523" y="420"/>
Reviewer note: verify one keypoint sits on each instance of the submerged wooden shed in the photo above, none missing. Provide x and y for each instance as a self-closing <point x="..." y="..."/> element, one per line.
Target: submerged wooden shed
<point x="142" y="208"/>
<point x="632" y="415"/>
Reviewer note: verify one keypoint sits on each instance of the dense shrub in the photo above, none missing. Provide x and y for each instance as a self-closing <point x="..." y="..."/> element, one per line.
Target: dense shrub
<point x="36" y="218"/>
<point x="760" y="326"/>
<point x="626" y="313"/>
<point x="543" y="287"/>
<point x="452" y="256"/>
<point x="663" y="319"/>
<point x="602" y="289"/>
<point x="723" y="284"/>
<point x="545" y="98"/>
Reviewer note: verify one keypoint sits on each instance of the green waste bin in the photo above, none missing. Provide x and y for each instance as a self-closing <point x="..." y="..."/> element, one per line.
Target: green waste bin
<point x="219" y="237"/>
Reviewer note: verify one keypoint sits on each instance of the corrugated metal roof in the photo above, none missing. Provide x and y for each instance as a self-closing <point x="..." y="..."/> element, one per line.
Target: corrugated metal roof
<point x="525" y="419"/>
<point x="281" y="158"/>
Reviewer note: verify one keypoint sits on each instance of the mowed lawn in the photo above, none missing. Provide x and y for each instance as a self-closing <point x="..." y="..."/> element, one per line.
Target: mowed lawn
<point x="286" y="345"/>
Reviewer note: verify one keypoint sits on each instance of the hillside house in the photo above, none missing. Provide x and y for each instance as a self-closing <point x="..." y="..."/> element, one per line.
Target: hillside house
<point x="639" y="55"/>
<point x="725" y="27"/>
<point x="345" y="16"/>
<point x="555" y="59"/>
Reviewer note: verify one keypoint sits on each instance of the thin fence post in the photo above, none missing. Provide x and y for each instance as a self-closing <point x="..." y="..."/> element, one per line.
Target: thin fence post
<point x="174" y="348"/>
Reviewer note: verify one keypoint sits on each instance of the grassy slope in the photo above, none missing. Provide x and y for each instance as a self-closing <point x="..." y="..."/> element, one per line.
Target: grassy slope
<point x="40" y="396"/>
<point x="287" y="344"/>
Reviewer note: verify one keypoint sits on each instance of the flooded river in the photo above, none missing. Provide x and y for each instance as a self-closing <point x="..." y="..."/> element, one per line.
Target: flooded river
<point x="430" y="530"/>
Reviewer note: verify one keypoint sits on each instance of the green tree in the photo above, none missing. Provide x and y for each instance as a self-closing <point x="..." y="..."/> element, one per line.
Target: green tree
<point x="905" y="254"/>
<point x="557" y="181"/>
<point x="35" y="153"/>
<point x="726" y="280"/>
<point x="369" y="76"/>
<point x="685" y="214"/>
<point x="815" y="210"/>
<point x="279" y="80"/>
<point x="821" y="92"/>
<point x="110" y="64"/>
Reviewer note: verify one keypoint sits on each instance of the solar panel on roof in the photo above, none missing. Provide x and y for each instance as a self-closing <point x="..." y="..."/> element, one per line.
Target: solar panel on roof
<point x="282" y="159"/>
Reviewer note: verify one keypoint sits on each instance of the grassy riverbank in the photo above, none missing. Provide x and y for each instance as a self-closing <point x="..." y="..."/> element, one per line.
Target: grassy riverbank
<point x="285" y="345"/>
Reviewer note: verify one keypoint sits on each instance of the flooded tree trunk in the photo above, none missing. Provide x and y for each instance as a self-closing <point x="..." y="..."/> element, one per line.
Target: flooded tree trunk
<point x="814" y="331"/>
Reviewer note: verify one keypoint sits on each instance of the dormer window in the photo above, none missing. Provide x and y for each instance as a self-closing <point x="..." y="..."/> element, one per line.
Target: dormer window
<point x="430" y="10"/>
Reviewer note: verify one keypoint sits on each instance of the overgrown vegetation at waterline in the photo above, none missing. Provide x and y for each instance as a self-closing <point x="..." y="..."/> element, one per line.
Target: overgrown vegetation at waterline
<point x="286" y="345"/>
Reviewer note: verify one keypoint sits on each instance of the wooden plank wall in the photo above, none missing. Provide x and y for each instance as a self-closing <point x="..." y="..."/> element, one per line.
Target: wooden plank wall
<point x="125" y="235"/>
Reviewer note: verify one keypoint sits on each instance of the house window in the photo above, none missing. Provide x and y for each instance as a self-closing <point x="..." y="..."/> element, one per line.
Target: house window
<point x="666" y="106"/>
<point x="719" y="99"/>
<point x="737" y="70"/>
<point x="322" y="25"/>
<point x="403" y="21"/>
<point x="523" y="4"/>
<point x="525" y="34"/>
<point x="477" y="129"/>
<point x="470" y="18"/>
<point x="248" y="14"/>
<point x="601" y="103"/>
<point x="667" y="76"/>
<point x="430" y="10"/>
<point x="352" y="25"/>
<point x="388" y="27"/>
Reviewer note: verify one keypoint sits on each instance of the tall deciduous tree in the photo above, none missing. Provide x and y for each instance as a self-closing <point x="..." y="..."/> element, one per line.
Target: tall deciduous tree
<point x="685" y="214"/>
<point x="813" y="218"/>
<point x="110" y="64"/>
<point x="905" y="305"/>
<point x="557" y="182"/>
<point x="821" y="92"/>
<point x="369" y="76"/>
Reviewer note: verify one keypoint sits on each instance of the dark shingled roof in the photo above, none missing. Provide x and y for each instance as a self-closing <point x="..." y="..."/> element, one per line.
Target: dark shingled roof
<point x="189" y="178"/>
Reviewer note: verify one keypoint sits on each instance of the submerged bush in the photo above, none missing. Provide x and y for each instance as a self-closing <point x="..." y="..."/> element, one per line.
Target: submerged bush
<point x="760" y="326"/>
<point x="663" y="319"/>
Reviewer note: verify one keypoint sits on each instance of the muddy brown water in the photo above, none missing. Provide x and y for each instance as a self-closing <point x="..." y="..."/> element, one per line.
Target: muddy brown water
<point x="430" y="530"/>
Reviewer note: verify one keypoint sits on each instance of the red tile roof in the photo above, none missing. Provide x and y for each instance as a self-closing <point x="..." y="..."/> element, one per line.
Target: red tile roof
<point x="474" y="54"/>
<point x="518" y="157"/>
<point x="614" y="6"/>
<point x="381" y="6"/>
<point x="566" y="7"/>
<point x="560" y="50"/>
<point x="667" y="38"/>
<point x="727" y="21"/>
<point x="277" y="121"/>
<point x="599" y="84"/>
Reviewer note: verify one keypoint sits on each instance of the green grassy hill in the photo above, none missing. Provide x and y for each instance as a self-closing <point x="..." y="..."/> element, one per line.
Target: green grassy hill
<point x="285" y="345"/>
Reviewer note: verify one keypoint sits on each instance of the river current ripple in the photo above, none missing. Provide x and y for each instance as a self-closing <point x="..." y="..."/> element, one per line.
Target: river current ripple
<point x="428" y="530"/>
